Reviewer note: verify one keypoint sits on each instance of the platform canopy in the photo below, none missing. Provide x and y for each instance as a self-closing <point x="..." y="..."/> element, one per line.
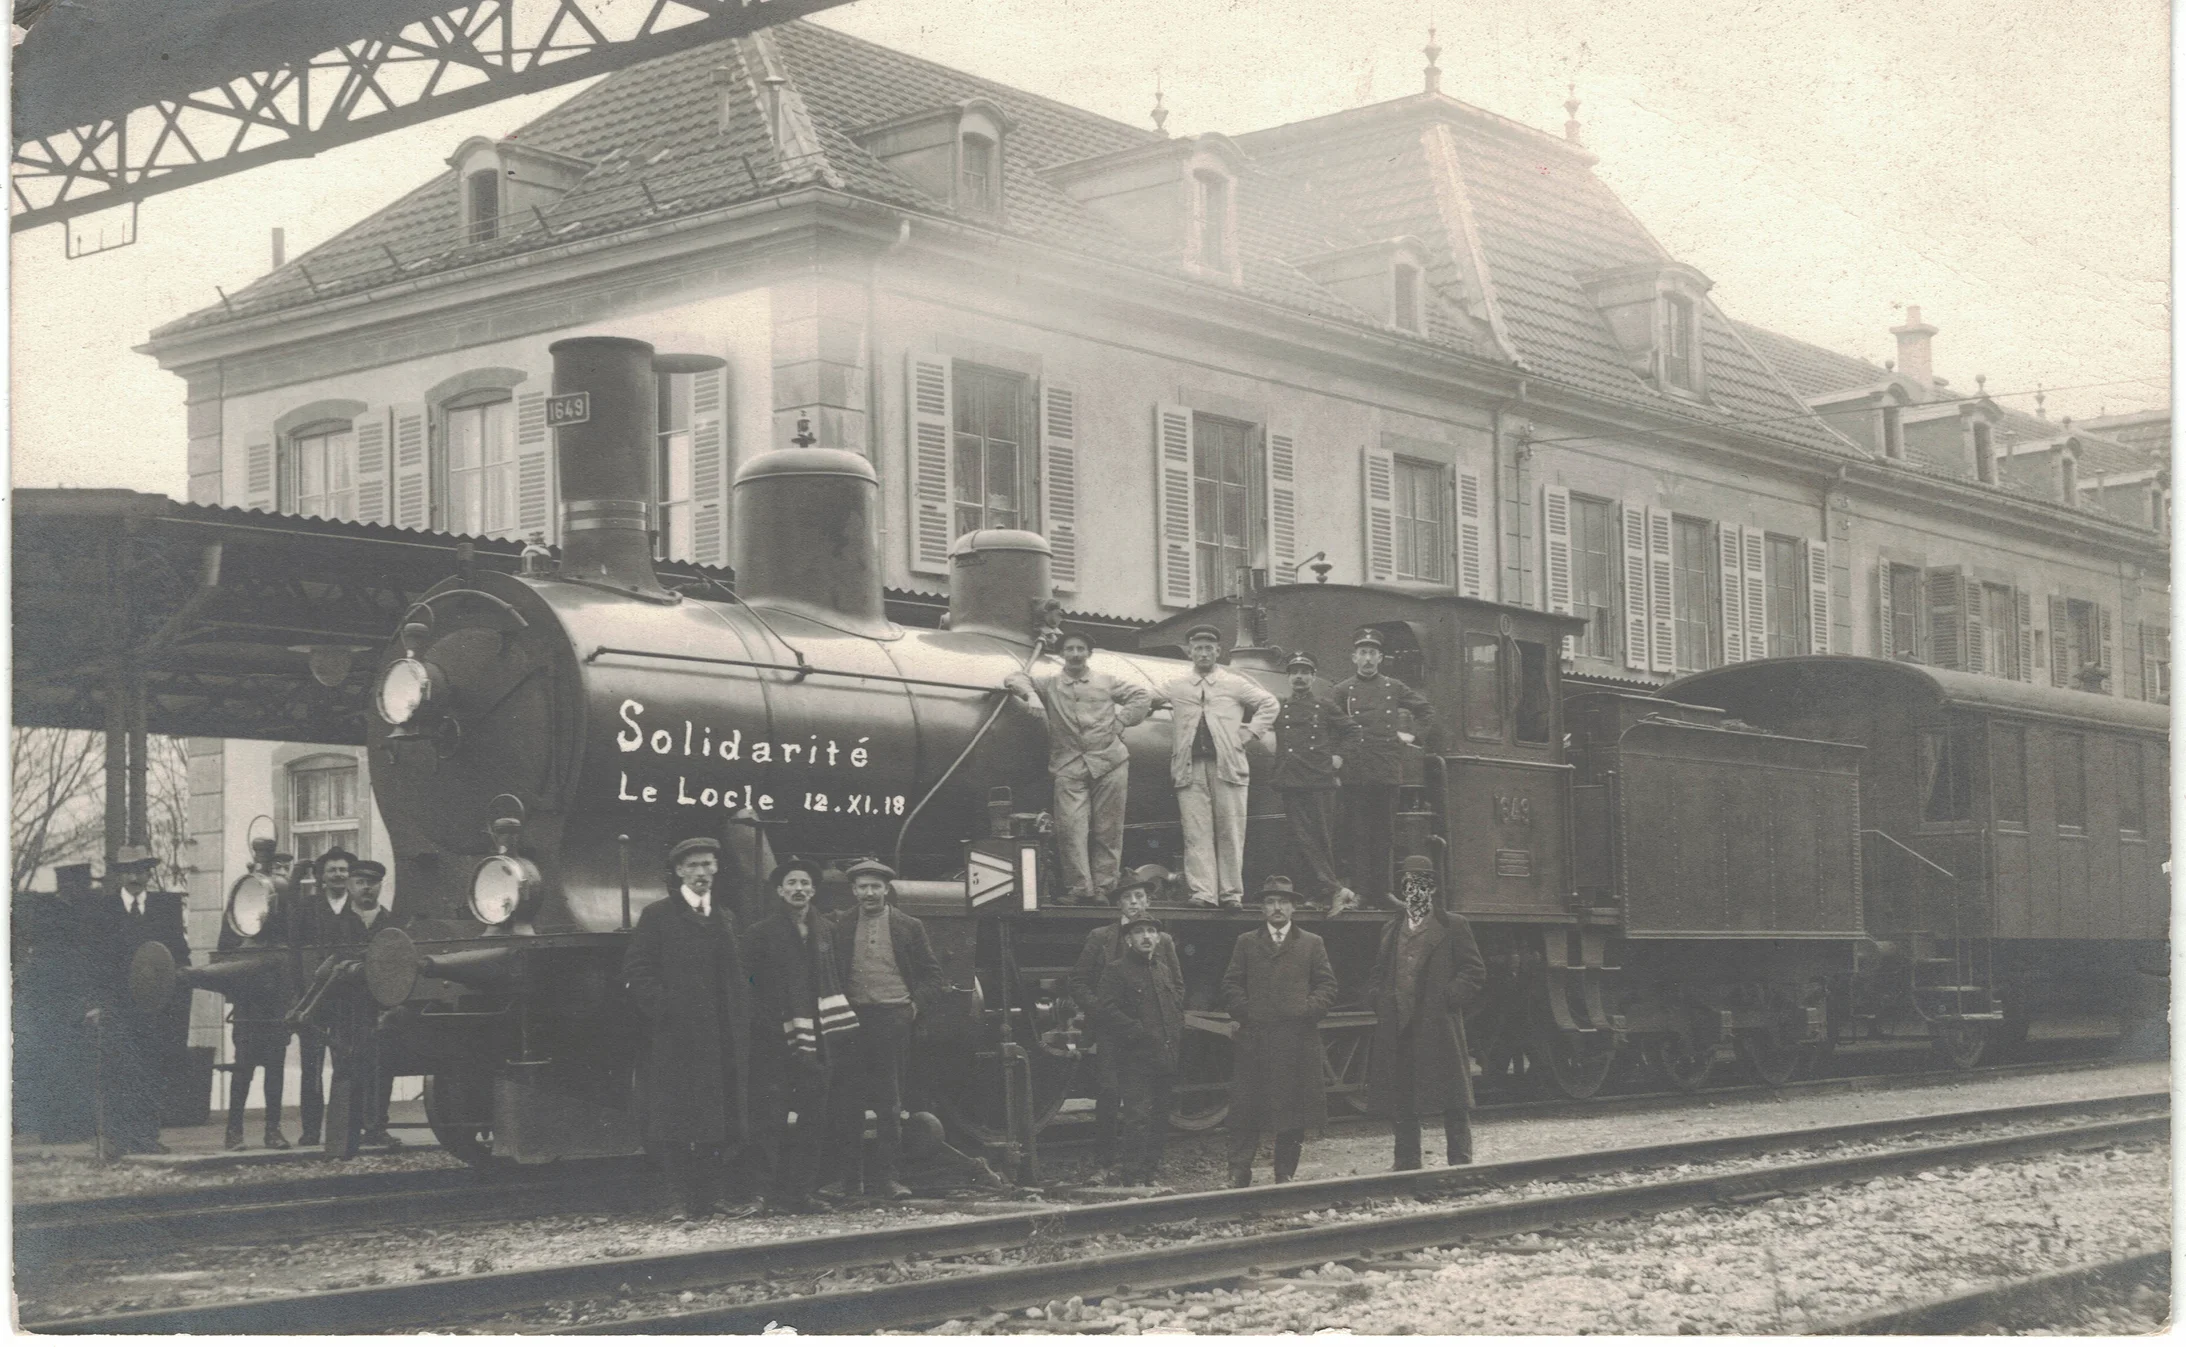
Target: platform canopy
<point x="115" y="100"/>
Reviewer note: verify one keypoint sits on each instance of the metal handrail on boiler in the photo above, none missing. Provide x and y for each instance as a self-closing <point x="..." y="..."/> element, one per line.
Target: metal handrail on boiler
<point x="802" y="671"/>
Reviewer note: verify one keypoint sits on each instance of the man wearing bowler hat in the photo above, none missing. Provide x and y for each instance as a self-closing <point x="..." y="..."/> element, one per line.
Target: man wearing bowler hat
<point x="1309" y="733"/>
<point x="1374" y="762"/>
<point x="1214" y="715"/>
<point x="685" y="974"/>
<point x="1104" y="945"/>
<point x="1427" y="974"/>
<point x="1278" y="986"/>
<point x="1140" y="1011"/>
<point x="888" y="971"/>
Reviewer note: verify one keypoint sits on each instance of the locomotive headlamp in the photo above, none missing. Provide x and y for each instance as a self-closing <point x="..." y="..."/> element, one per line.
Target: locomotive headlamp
<point x="250" y="902"/>
<point x="500" y="887"/>
<point x="405" y="688"/>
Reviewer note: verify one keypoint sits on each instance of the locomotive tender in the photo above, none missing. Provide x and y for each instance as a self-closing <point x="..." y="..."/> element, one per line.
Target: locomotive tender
<point x="1641" y="871"/>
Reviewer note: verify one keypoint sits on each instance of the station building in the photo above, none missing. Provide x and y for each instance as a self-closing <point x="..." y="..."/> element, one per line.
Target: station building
<point x="1414" y="342"/>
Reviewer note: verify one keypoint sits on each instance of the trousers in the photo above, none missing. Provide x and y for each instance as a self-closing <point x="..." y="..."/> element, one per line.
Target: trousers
<point x="1143" y="1095"/>
<point x="870" y="1076"/>
<point x="269" y="1060"/>
<point x="1310" y="823"/>
<point x="1245" y="1144"/>
<point x="694" y="1173"/>
<point x="1107" y="1108"/>
<point x="311" y="1062"/>
<point x="1213" y="811"/>
<point x="786" y="1155"/>
<point x="1089" y="828"/>
<point x="1370" y="823"/>
<point x="1457" y="1128"/>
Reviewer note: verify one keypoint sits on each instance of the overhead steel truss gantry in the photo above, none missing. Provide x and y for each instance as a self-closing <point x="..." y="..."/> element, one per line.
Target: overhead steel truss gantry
<point x="118" y="100"/>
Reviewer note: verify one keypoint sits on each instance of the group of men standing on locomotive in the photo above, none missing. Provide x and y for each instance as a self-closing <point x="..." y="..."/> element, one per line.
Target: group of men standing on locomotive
<point x="1216" y="713"/>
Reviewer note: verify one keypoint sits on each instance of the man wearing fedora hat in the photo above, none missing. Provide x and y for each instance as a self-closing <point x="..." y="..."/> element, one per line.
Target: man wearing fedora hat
<point x="1215" y="714"/>
<point x="1278" y="986"/>
<point x="890" y="975"/>
<point x="1104" y="945"/>
<point x="1427" y="974"/>
<point x="1308" y="734"/>
<point x="686" y="975"/>
<point x="137" y="1046"/>
<point x="1374" y="762"/>
<point x="1140" y="1011"/>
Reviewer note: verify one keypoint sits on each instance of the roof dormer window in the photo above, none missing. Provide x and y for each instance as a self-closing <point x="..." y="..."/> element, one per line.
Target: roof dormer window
<point x="953" y="154"/>
<point x="481" y="205"/>
<point x="1680" y="346"/>
<point x="1984" y="454"/>
<point x="976" y="178"/>
<point x="2068" y="479"/>
<point x="1654" y="312"/>
<point x="1212" y="219"/>
<point x="1404" y="296"/>
<point x="1893" y="433"/>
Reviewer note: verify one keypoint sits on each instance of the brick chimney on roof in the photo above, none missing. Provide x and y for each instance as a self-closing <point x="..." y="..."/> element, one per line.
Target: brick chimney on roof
<point x="1916" y="356"/>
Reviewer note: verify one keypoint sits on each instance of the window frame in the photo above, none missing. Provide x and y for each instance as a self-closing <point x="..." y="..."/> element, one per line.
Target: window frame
<point x="1405" y="282"/>
<point x="2001" y="658"/>
<point x="482" y="225"/>
<point x="1800" y="634"/>
<point x="979" y="192"/>
<point x="674" y="405"/>
<point x="1709" y="598"/>
<point x="2008" y="744"/>
<point x="1984" y="453"/>
<point x="334" y="827"/>
<point x="964" y="377"/>
<point x="1209" y="588"/>
<point x="1406" y="477"/>
<point x="443" y="467"/>
<point x="1911" y="612"/>
<point x="1893" y="433"/>
<point x="1681" y="318"/>
<point x="289" y="487"/>
<point x="2057" y="742"/>
<point x="1214" y="210"/>
<point x="1469" y="639"/>
<point x="1609" y="630"/>
<point x="1959" y="741"/>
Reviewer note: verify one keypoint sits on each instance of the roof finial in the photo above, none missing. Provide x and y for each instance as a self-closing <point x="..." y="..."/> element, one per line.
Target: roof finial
<point x="2041" y="403"/>
<point x="1433" y="52"/>
<point x="1571" y="113"/>
<point x="1981" y="385"/>
<point x="1160" y="114"/>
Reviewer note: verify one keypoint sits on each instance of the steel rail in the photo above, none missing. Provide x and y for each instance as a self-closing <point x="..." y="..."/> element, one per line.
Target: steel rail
<point x="1960" y="1315"/>
<point x="896" y="1304"/>
<point x="478" y="1295"/>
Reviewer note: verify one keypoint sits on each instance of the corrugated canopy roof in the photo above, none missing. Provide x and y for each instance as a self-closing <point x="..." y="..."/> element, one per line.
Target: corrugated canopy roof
<point x="1758" y="690"/>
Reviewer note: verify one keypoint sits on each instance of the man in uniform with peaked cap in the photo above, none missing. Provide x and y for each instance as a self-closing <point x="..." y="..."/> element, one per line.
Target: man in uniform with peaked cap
<point x="1309" y="736"/>
<point x="1374" y="762"/>
<point x="686" y="974"/>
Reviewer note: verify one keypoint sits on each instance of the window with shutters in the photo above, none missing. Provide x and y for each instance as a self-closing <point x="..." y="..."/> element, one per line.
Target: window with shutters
<point x="1999" y="631"/>
<point x="2155" y="663"/>
<point x="1786" y="610"/>
<point x="1907" y="599"/>
<point x="319" y="471"/>
<point x="482" y="205"/>
<point x="1695" y="591"/>
<point x="2069" y="751"/>
<point x="672" y="467"/>
<point x="2008" y="773"/>
<point x="1422" y="530"/>
<point x="978" y="176"/>
<point x="322" y="798"/>
<point x="2082" y="644"/>
<point x="2132" y="788"/>
<point x="1594" y="558"/>
<point x="1226" y="529"/>
<point x="1946" y="774"/>
<point x="478" y="464"/>
<point x="993" y="469"/>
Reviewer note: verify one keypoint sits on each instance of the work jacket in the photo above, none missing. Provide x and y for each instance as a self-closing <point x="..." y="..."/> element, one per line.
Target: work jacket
<point x="797" y="999"/>
<point x="1376" y="756"/>
<point x="1086" y="718"/>
<point x="1236" y="710"/>
<point x="915" y="961"/>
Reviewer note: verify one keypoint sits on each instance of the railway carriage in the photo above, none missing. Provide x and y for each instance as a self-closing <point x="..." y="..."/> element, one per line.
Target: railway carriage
<point x="1691" y="874"/>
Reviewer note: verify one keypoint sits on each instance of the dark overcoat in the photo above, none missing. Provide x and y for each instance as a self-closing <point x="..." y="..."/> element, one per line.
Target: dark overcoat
<point x="1450" y="980"/>
<point x="684" y="974"/>
<point x="789" y="974"/>
<point x="1104" y="946"/>
<point x="1140" y="1010"/>
<point x="1277" y="995"/>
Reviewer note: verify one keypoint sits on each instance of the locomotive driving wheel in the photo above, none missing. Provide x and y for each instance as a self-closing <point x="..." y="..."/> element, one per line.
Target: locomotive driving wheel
<point x="1680" y="1061"/>
<point x="1963" y="1044"/>
<point x="1575" y="1063"/>
<point x="450" y="1110"/>
<point x="1773" y="1053"/>
<point x="1201" y="1099"/>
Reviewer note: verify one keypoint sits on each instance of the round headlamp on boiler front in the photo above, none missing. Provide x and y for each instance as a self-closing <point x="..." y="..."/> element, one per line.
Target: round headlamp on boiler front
<point x="250" y="904"/>
<point x="405" y="688"/>
<point x="502" y="888"/>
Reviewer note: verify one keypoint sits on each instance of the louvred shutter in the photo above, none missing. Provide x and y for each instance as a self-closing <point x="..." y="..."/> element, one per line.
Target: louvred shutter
<point x="1946" y="617"/>
<point x="1636" y="655"/>
<point x="710" y="467"/>
<point x="534" y="468"/>
<point x="1730" y="579"/>
<point x="370" y="428"/>
<point x="1471" y="558"/>
<point x="1059" y="479"/>
<point x="413" y="469"/>
<point x="1661" y="594"/>
<point x="1817" y="595"/>
<point x="1886" y="632"/>
<point x="2023" y="610"/>
<point x="1753" y="545"/>
<point x="2103" y="625"/>
<point x="1379" y="489"/>
<point x="2059" y="618"/>
<point x="258" y="477"/>
<point x="1282" y="482"/>
<point x="1556" y="552"/>
<point x="932" y="494"/>
<point x="1173" y="504"/>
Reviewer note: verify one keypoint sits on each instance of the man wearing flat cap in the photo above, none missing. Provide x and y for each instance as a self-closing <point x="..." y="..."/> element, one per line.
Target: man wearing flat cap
<point x="686" y="976"/>
<point x="1278" y="986"/>
<point x="1086" y="712"/>
<point x="323" y="923"/>
<point x="888" y="971"/>
<point x="1140" y="1011"/>
<point x="367" y="916"/>
<point x="1104" y="946"/>
<point x="1374" y="763"/>
<point x="802" y="1026"/>
<point x="1309" y="736"/>
<point x="1215" y="714"/>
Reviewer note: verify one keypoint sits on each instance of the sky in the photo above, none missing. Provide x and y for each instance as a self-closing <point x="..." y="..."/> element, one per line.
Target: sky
<point x="2003" y="164"/>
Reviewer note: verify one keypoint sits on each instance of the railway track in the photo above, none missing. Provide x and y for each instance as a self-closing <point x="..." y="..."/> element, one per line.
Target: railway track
<point x="453" y="1300"/>
<point x="1992" y="1306"/>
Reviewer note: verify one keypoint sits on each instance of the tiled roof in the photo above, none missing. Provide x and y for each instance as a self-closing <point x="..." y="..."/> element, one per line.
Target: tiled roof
<point x="2146" y="433"/>
<point x="1810" y="370"/>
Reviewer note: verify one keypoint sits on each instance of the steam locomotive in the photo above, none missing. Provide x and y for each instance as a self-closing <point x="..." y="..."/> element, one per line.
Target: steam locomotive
<point x="1705" y="874"/>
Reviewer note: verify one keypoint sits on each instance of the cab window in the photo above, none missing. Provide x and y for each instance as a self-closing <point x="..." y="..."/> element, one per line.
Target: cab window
<point x="1946" y="777"/>
<point x="1483" y="690"/>
<point x="1533" y="695"/>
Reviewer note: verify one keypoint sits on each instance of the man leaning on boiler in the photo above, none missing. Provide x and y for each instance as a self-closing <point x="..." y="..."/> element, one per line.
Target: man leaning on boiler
<point x="1086" y="713"/>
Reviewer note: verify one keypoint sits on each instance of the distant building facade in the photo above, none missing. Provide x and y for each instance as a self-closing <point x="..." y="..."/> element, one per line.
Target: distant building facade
<point x="1415" y="341"/>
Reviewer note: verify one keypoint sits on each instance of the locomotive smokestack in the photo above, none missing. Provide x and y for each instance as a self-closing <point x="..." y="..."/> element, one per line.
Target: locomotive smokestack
<point x="605" y="413"/>
<point x="997" y="580"/>
<point x="802" y="536"/>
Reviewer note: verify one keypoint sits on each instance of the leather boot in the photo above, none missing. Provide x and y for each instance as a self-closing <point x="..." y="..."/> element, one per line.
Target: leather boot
<point x="1407" y="1137"/>
<point x="1457" y="1126"/>
<point x="1240" y="1176"/>
<point x="1288" y="1147"/>
<point x="235" y="1132"/>
<point x="274" y="1140"/>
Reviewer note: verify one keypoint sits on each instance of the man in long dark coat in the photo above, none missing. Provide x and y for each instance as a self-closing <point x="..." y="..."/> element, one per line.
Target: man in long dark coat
<point x="1428" y="973"/>
<point x="801" y="1021"/>
<point x="685" y="975"/>
<point x="135" y="1052"/>
<point x="1140" y="1010"/>
<point x="1278" y="986"/>
<point x="1104" y="945"/>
